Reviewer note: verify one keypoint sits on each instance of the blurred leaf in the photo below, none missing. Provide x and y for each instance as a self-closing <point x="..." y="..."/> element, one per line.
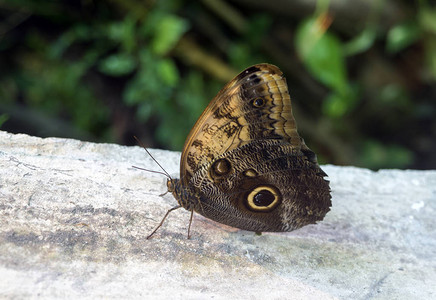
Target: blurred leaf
<point x="57" y="88"/>
<point x="375" y="155"/>
<point x="76" y="33"/>
<point x="168" y="72"/>
<point x="117" y="64"/>
<point x="395" y="95"/>
<point x="239" y="54"/>
<point x="402" y="36"/>
<point x="361" y="42"/>
<point x="427" y="17"/>
<point x="427" y="23"/>
<point x="3" y="119"/>
<point x="144" y="87"/>
<point x="8" y="90"/>
<point x="335" y="105"/>
<point x="168" y="31"/>
<point x="145" y="110"/>
<point x="321" y="52"/>
<point x="430" y="55"/>
<point x="194" y="95"/>
<point x="124" y="32"/>
<point x="244" y="53"/>
<point x="340" y="103"/>
<point x="152" y="86"/>
<point x="258" y="27"/>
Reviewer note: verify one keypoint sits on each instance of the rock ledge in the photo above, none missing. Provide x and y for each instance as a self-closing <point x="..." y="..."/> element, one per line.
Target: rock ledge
<point x="74" y="217"/>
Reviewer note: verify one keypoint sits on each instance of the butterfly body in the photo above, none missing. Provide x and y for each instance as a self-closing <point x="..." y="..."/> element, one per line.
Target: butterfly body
<point x="244" y="164"/>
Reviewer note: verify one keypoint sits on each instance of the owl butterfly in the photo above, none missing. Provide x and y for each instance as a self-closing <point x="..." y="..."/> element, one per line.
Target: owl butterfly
<point x="244" y="164"/>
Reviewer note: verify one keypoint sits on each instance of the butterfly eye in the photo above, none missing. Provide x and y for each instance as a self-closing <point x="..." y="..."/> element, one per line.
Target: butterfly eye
<point x="258" y="102"/>
<point x="263" y="198"/>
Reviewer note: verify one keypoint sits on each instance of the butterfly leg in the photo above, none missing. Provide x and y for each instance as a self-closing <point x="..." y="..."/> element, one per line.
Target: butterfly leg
<point x="163" y="220"/>
<point x="190" y="222"/>
<point x="163" y="194"/>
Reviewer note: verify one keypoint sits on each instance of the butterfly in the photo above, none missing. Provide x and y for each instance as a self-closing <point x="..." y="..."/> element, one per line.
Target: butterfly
<point x="244" y="164"/>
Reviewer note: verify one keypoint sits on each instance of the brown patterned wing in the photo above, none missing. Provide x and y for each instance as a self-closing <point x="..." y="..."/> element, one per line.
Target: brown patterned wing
<point x="255" y="105"/>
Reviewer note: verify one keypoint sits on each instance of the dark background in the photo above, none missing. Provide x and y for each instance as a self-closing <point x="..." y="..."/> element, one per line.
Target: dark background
<point x="361" y="73"/>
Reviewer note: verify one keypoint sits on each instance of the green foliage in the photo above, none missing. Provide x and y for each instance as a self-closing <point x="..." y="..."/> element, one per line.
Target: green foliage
<point x="427" y="21"/>
<point x="168" y="30"/>
<point x="119" y="64"/>
<point x="421" y="28"/>
<point x="56" y="87"/>
<point x="324" y="55"/>
<point x="3" y="119"/>
<point x="245" y="52"/>
<point x="402" y="35"/>
<point x="321" y="52"/>
<point x="361" y="42"/>
<point x="376" y="155"/>
<point x="118" y="68"/>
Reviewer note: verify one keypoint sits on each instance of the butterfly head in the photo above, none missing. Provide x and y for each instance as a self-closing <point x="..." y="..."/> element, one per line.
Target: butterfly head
<point x="171" y="185"/>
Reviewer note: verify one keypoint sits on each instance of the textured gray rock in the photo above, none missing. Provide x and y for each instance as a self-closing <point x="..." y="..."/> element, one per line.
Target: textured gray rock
<point x="74" y="217"/>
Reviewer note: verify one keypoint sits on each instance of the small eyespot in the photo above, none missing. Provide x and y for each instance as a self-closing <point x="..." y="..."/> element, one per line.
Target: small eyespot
<point x="250" y="173"/>
<point x="258" y="102"/>
<point x="220" y="168"/>
<point x="263" y="198"/>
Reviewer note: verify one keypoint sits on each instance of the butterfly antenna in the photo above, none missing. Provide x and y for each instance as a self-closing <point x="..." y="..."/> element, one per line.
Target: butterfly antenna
<point x="152" y="171"/>
<point x="164" y="171"/>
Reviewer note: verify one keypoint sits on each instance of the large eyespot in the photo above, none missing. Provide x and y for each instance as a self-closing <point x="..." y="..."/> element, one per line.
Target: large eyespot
<point x="258" y="102"/>
<point x="263" y="198"/>
<point x="220" y="168"/>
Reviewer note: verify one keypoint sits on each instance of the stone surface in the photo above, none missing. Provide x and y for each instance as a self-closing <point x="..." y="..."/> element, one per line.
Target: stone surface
<point x="74" y="217"/>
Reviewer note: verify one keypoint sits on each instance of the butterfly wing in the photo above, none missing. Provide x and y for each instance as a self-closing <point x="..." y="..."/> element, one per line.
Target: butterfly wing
<point x="254" y="105"/>
<point x="245" y="165"/>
